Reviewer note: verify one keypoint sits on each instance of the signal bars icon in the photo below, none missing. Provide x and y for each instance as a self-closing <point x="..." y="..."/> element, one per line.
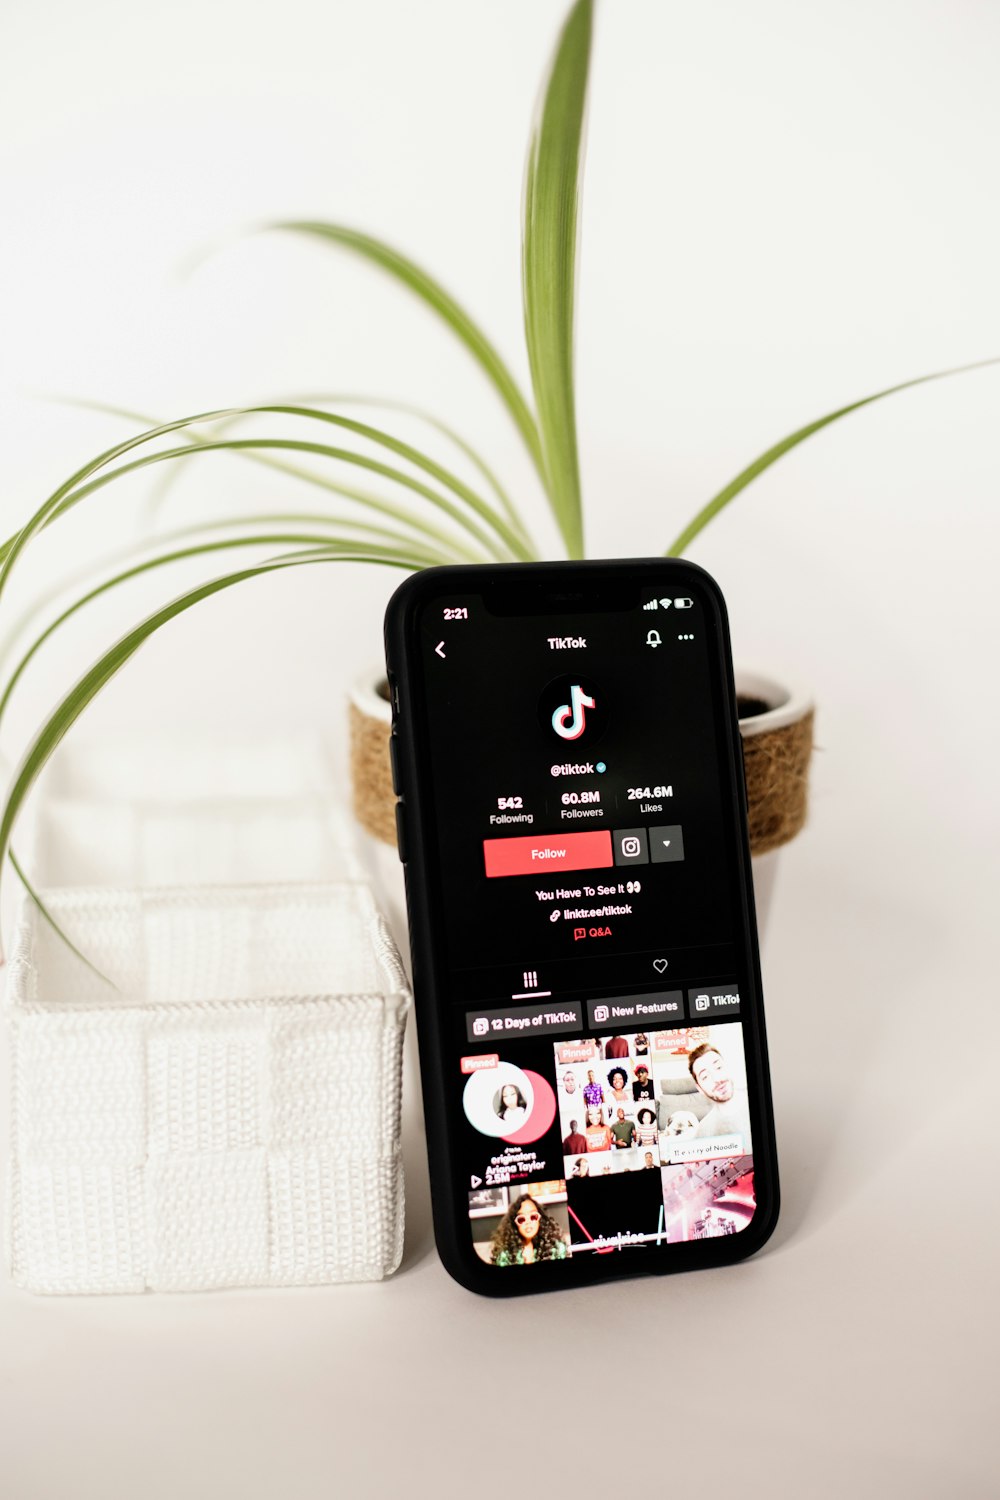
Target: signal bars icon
<point x="658" y="604"/>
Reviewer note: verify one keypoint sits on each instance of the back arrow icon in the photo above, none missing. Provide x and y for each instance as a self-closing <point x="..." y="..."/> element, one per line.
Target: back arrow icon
<point x="438" y="649"/>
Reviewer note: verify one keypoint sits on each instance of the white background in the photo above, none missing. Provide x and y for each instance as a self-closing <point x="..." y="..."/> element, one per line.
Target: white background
<point x="786" y="207"/>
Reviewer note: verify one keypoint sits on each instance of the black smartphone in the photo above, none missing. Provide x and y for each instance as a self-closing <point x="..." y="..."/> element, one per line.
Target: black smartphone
<point x="572" y="821"/>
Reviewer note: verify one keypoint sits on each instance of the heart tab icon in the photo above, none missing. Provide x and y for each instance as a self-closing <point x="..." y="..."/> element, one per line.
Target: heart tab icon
<point x="659" y="964"/>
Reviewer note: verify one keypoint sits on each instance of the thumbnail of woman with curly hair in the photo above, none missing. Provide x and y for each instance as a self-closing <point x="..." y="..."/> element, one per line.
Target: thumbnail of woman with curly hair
<point x="618" y="1082"/>
<point x="645" y="1127"/>
<point x="527" y="1234"/>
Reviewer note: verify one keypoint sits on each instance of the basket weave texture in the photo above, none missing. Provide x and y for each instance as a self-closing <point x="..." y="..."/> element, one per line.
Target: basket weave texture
<point x="221" y="1118"/>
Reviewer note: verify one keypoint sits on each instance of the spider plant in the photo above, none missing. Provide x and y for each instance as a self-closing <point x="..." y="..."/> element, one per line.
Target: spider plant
<point x="380" y="499"/>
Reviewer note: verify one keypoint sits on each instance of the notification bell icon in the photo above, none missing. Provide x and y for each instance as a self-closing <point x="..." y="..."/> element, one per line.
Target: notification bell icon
<point x="654" y="638"/>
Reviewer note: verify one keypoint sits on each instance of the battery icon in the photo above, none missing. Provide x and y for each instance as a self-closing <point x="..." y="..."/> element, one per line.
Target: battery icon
<point x="683" y="604"/>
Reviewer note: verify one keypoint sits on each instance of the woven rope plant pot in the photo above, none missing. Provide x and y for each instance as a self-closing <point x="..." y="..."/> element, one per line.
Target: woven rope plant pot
<point x="777" y="728"/>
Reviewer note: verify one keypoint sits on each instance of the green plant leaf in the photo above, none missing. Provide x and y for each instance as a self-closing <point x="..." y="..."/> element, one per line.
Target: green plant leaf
<point x="332" y="545"/>
<point x="320" y="450"/>
<point x="65" y="715"/>
<point x="454" y="547"/>
<point x="431" y="292"/>
<point x="74" y="489"/>
<point x="751" y="472"/>
<point x="47" y="915"/>
<point x="56" y="504"/>
<point x="364" y="530"/>
<point x="376" y="402"/>
<point x="420" y="460"/>
<point x="474" y="457"/>
<point x="548" y="263"/>
<point x="418" y="412"/>
<point x="363" y="497"/>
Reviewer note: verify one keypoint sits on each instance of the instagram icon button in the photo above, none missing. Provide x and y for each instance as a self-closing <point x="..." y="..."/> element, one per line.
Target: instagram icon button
<point x="601" y="1014"/>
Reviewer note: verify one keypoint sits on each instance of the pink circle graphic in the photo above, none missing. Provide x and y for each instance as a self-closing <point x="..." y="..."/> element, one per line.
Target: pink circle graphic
<point x="542" y="1114"/>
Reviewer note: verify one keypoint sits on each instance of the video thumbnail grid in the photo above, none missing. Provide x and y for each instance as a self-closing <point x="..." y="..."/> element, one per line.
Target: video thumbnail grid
<point x="677" y="1096"/>
<point x="655" y="1144"/>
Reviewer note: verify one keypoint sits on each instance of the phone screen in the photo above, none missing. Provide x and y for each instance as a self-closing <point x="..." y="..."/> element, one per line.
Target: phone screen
<point x="595" y="965"/>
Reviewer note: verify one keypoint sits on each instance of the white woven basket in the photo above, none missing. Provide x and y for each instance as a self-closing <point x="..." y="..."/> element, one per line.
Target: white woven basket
<point x="229" y="1116"/>
<point x="223" y="840"/>
<point x="191" y="768"/>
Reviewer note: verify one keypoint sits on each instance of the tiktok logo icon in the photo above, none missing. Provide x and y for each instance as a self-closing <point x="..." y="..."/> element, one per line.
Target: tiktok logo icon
<point x="569" y="719"/>
<point x="575" y="708"/>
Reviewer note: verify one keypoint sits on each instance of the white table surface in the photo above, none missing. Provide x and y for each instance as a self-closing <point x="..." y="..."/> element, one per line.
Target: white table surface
<point x="855" y="1355"/>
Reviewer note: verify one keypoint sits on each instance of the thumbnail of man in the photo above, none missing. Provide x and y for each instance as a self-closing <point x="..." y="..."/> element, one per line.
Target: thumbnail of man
<point x="728" y="1113"/>
<point x="643" y="1086"/>
<point x="622" y="1131"/>
<point x="593" y="1094"/>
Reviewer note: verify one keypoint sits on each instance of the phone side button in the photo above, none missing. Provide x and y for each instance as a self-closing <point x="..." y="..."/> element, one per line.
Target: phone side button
<point x="394" y="762"/>
<point x="401" y="831"/>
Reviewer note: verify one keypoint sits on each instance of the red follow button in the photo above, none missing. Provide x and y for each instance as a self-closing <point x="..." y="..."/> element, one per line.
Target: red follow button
<point x="546" y="856"/>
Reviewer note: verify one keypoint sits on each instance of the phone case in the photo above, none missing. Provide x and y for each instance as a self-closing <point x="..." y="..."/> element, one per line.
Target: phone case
<point x="418" y="851"/>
